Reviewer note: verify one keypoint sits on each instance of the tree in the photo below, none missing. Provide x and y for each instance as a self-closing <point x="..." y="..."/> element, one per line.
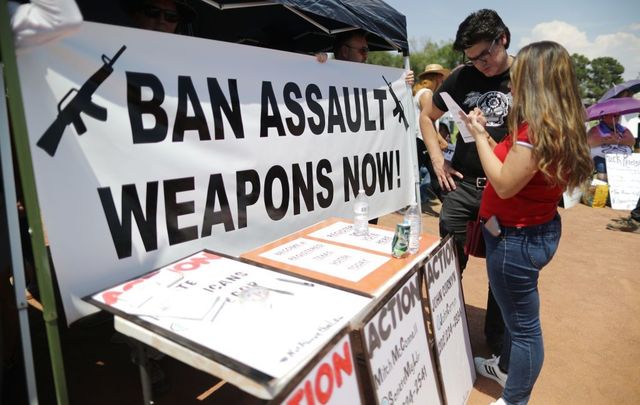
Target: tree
<point x="604" y="73"/>
<point x="426" y="52"/>
<point x="596" y="76"/>
<point x="423" y="53"/>
<point x="386" y="58"/>
<point x="581" y="64"/>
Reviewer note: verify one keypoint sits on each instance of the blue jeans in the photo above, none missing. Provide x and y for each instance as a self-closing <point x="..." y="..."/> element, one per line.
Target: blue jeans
<point x="514" y="260"/>
<point x="425" y="182"/>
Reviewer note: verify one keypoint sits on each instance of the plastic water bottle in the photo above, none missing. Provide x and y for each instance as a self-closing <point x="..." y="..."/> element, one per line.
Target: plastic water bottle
<point x="414" y="219"/>
<point x="361" y="215"/>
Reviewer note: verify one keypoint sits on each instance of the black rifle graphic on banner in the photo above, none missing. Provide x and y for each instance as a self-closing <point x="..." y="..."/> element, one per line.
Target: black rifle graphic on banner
<point x="80" y="103"/>
<point x="399" y="111"/>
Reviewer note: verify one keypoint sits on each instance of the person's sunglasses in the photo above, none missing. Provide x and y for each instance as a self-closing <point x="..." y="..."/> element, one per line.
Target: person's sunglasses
<point x="484" y="55"/>
<point x="155" y="12"/>
<point x="364" y="50"/>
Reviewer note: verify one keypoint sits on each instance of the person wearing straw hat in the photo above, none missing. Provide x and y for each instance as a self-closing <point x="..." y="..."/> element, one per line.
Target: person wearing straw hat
<point x="428" y="81"/>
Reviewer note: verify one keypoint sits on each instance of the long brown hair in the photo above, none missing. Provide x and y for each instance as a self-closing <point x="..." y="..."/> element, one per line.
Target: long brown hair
<point x="545" y="95"/>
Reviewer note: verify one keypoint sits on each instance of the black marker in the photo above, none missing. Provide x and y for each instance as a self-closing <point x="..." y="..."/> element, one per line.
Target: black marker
<point x="278" y="291"/>
<point x="296" y="282"/>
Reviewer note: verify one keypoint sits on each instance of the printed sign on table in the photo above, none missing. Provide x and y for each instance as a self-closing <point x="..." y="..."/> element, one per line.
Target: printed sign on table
<point x="449" y="322"/>
<point x="333" y="380"/>
<point x="333" y="260"/>
<point x="378" y="240"/>
<point x="241" y="315"/>
<point x="328" y="252"/>
<point x="397" y="350"/>
<point x="623" y="175"/>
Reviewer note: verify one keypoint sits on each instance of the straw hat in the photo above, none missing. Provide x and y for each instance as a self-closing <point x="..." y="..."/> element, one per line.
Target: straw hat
<point x="434" y="68"/>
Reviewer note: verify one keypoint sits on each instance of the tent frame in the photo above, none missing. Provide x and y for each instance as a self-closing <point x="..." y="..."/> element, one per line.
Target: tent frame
<point x="27" y="179"/>
<point x="13" y="112"/>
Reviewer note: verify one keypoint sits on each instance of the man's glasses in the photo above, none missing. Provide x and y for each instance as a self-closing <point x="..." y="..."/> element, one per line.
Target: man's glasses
<point x="155" y="12"/>
<point x="484" y="55"/>
<point x="364" y="50"/>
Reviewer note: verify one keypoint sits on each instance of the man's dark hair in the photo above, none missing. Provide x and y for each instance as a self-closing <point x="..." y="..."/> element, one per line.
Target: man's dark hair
<point x="482" y="25"/>
<point x="344" y="37"/>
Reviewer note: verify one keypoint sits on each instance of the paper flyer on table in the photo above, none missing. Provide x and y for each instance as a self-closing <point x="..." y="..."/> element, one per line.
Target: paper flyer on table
<point x="378" y="240"/>
<point x="238" y="309"/>
<point x="455" y="111"/>
<point x="337" y="261"/>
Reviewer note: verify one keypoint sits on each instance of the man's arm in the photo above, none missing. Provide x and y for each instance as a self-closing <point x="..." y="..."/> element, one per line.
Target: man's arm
<point x="428" y="114"/>
<point x="43" y="20"/>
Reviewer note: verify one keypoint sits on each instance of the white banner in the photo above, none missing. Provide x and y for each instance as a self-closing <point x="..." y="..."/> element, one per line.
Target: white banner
<point x="190" y="144"/>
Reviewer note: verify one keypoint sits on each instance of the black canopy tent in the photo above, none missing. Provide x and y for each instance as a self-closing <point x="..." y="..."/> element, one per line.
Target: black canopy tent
<point x="301" y="25"/>
<point x="293" y="25"/>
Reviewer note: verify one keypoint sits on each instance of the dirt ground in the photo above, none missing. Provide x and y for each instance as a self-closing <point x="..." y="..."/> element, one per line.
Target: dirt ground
<point x="589" y="298"/>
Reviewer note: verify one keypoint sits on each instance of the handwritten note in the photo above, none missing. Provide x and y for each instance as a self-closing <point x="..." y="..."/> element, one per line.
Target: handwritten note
<point x="456" y="111"/>
<point x="238" y="309"/>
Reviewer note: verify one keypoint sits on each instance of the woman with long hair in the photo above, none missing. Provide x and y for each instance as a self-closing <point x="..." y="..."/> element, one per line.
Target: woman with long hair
<point x="545" y="153"/>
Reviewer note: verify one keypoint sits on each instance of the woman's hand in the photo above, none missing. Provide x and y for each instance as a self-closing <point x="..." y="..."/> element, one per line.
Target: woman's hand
<point x="475" y="122"/>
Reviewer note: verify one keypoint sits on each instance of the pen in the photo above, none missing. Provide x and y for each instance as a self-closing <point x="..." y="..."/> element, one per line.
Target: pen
<point x="296" y="282"/>
<point x="279" y="291"/>
<point x="218" y="311"/>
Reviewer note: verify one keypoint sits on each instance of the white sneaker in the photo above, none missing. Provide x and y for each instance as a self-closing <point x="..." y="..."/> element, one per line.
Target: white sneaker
<point x="499" y="402"/>
<point x="489" y="368"/>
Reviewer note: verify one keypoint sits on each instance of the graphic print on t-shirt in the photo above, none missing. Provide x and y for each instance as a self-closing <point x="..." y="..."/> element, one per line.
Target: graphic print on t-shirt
<point x="493" y="104"/>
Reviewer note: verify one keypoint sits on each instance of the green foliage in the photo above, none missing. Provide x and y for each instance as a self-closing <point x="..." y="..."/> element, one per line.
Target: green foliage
<point x="426" y="52"/>
<point x="422" y="53"/>
<point x="384" y="58"/>
<point x="596" y="76"/>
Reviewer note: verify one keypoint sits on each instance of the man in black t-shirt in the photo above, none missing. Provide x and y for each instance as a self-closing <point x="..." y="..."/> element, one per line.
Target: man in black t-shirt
<point x="482" y="82"/>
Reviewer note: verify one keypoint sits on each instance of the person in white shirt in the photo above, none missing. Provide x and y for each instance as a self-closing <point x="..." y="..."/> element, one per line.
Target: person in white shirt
<point x="41" y="21"/>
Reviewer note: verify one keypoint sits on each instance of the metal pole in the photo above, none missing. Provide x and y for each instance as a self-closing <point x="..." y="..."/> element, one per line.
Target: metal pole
<point x="411" y="117"/>
<point x="145" y="378"/>
<point x="27" y="180"/>
<point x="17" y="264"/>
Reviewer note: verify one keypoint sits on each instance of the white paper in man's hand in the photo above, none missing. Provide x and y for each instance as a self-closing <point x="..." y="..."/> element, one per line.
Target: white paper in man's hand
<point x="455" y="111"/>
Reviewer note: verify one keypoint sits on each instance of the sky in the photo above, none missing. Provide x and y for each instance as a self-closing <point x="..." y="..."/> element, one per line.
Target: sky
<point x="588" y="27"/>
